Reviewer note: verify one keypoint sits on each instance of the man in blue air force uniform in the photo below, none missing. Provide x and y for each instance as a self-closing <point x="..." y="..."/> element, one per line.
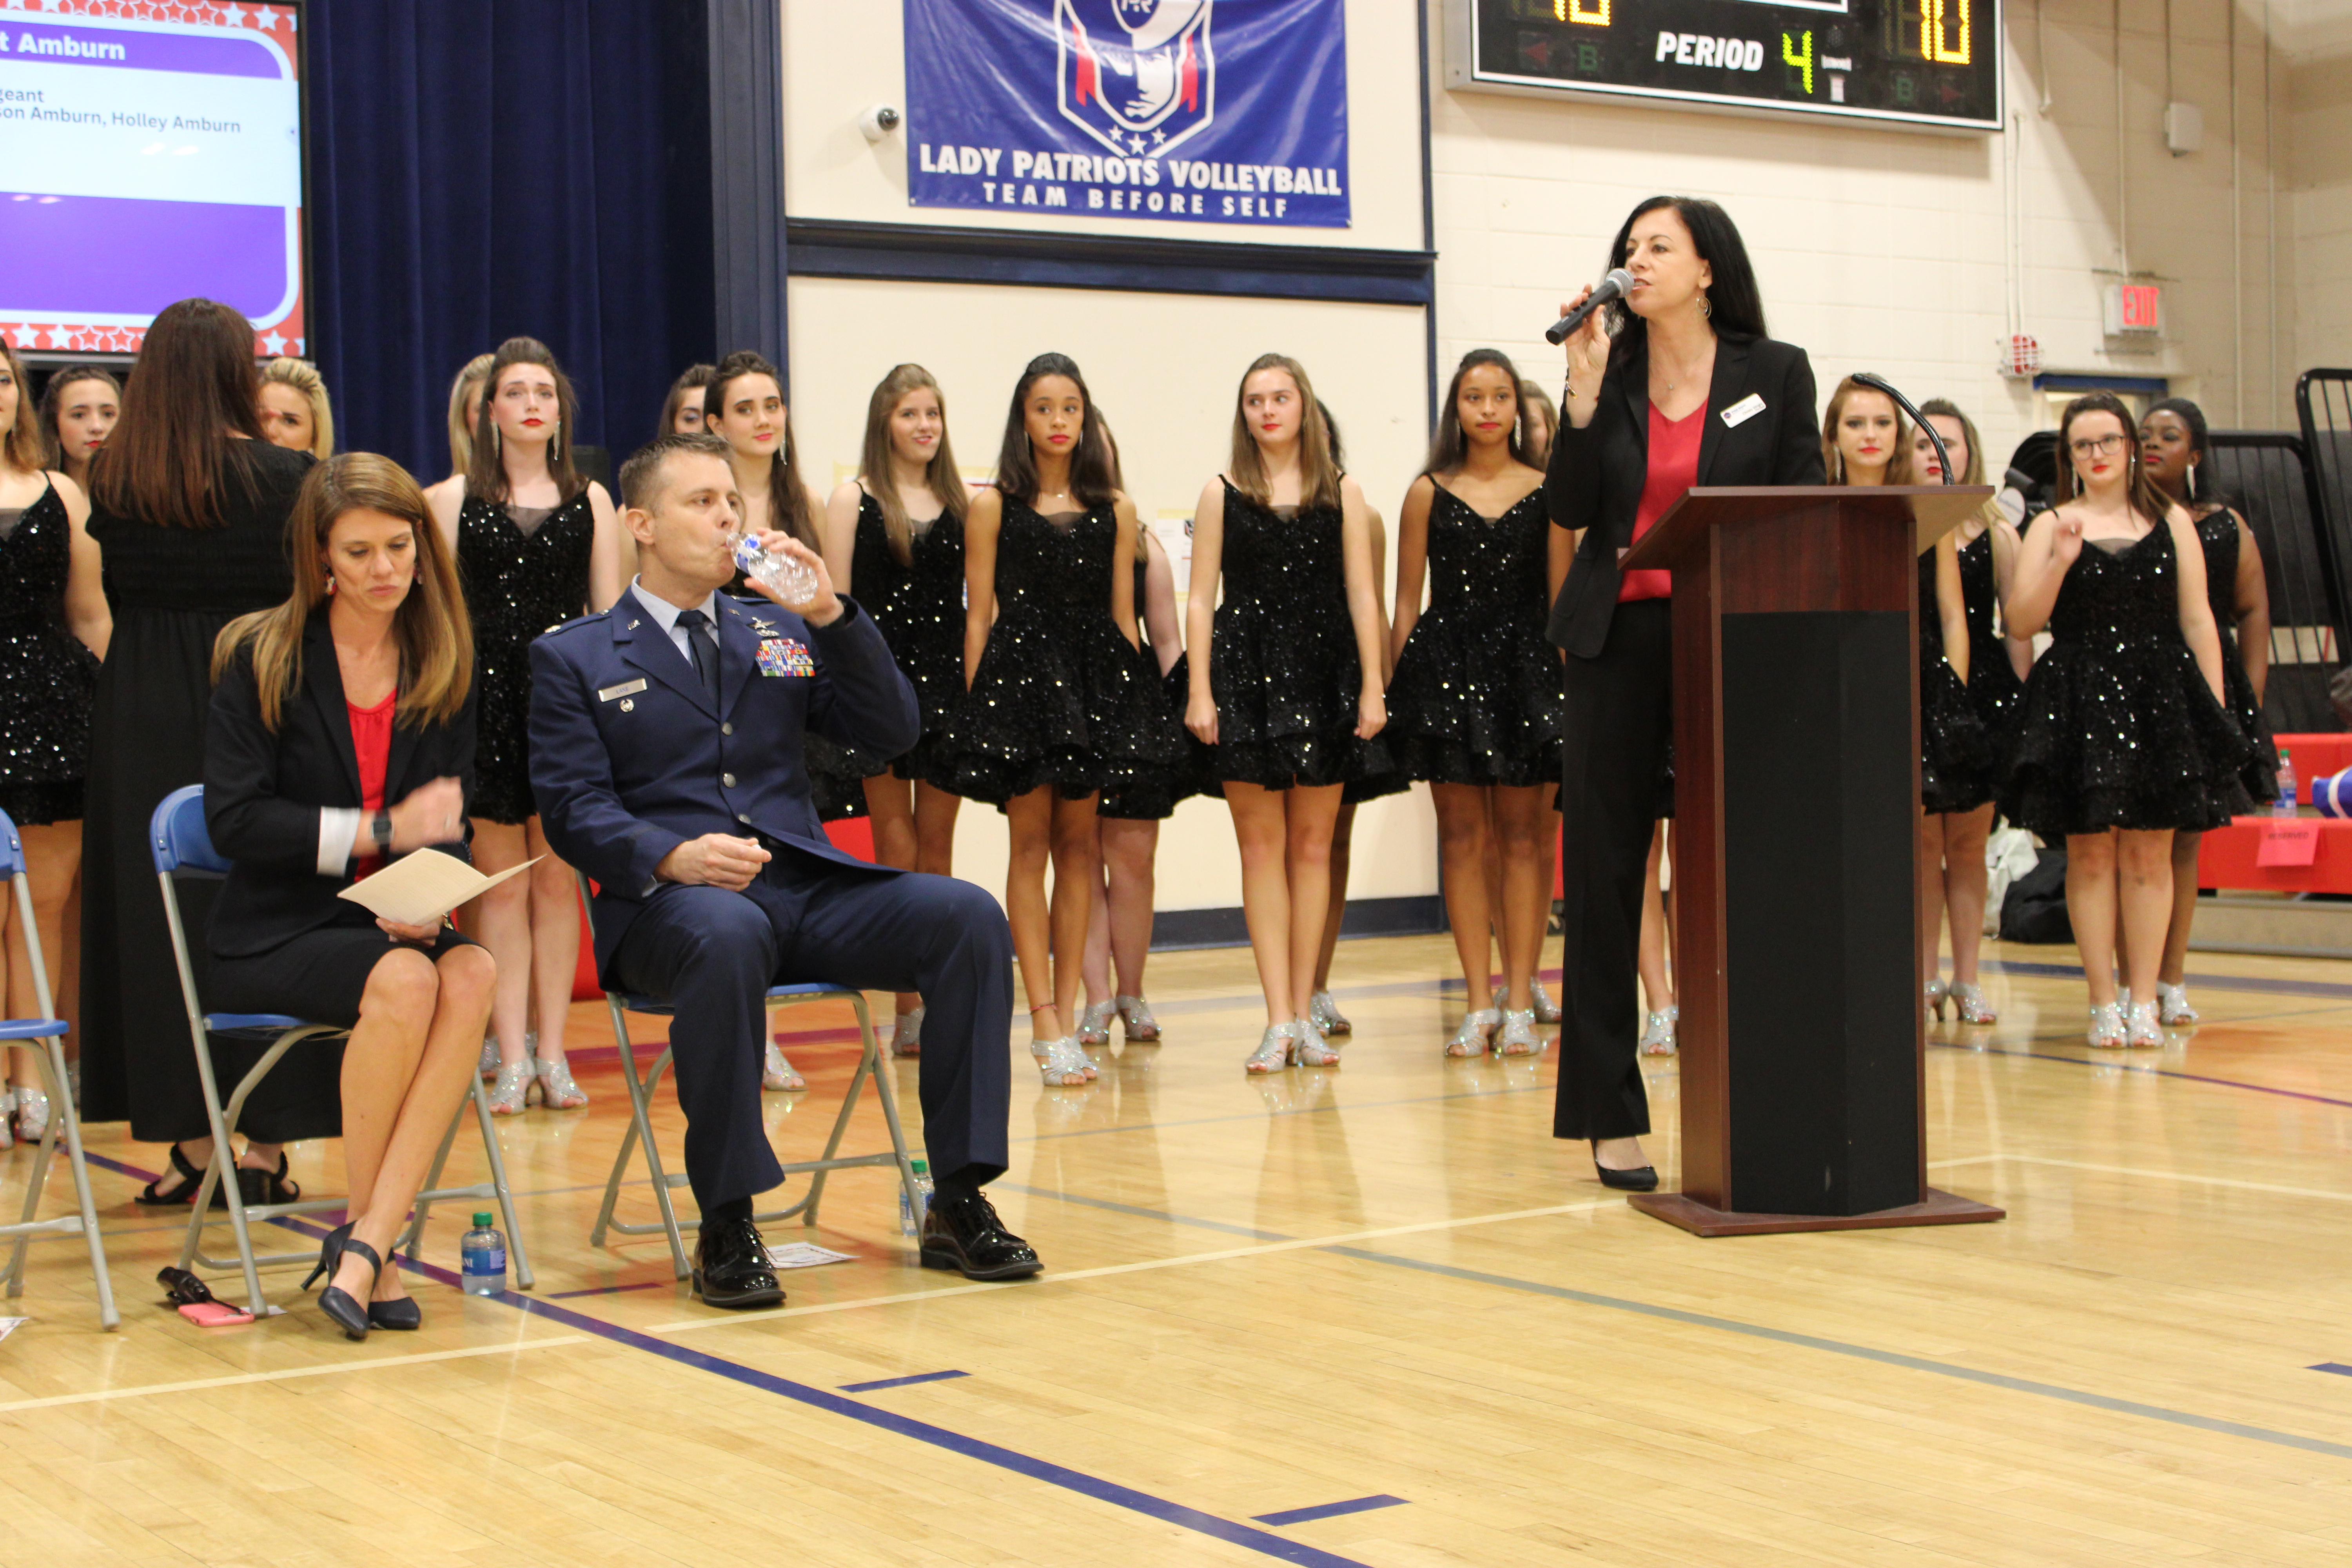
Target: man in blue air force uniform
<point x="666" y="756"/>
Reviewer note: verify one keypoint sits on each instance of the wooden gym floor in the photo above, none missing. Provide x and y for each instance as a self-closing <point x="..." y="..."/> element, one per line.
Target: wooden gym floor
<point x="1369" y="1315"/>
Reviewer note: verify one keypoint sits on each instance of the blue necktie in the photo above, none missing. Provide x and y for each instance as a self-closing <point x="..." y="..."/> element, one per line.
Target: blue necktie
<point x="699" y="649"/>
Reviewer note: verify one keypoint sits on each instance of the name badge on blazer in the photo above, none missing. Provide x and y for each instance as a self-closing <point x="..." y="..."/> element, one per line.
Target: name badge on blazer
<point x="627" y="689"/>
<point x="1740" y="413"/>
<point x="785" y="656"/>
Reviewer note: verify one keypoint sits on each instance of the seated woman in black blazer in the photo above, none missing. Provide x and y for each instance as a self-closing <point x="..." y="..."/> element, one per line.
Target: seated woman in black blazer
<point x="342" y="736"/>
<point x="1688" y="391"/>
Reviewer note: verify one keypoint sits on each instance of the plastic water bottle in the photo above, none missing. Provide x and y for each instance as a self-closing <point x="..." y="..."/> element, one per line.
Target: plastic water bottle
<point x="484" y="1251"/>
<point x="912" y="1215"/>
<point x="791" y="579"/>
<point x="2289" y="796"/>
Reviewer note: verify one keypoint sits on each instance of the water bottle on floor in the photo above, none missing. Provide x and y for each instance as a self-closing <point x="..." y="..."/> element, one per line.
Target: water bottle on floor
<point x="912" y="1215"/>
<point x="484" y="1252"/>
<point x="2289" y="794"/>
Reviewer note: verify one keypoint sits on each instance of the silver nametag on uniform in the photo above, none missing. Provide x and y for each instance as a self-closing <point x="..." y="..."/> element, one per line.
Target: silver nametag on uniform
<point x="627" y="689"/>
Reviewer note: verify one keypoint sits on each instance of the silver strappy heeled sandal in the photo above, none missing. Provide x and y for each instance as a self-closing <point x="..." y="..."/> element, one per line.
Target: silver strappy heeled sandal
<point x="1546" y="1010"/>
<point x="1477" y="1028"/>
<point x="1094" y="1023"/>
<point x="32" y="1114"/>
<point x="512" y="1090"/>
<point x="1325" y="1015"/>
<point x="1971" y="1000"/>
<point x="557" y="1091"/>
<point x="907" y="1034"/>
<point x="1658" y="1031"/>
<point x="1273" y="1048"/>
<point x="1517" y="1037"/>
<point x="2173" y="1008"/>
<point x="1135" y="1020"/>
<point x="776" y="1073"/>
<point x="1312" y="1051"/>
<point x="1063" y="1065"/>
<point x="2142" y="1031"/>
<point x="2106" y="1031"/>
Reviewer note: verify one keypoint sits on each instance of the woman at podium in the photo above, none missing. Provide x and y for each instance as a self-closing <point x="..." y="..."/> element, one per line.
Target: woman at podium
<point x="1674" y="385"/>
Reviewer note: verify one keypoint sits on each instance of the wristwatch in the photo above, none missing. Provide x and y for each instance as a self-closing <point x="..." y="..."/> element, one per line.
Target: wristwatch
<point x="380" y="829"/>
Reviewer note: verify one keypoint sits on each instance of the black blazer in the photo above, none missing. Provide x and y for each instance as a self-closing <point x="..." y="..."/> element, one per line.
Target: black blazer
<point x="1598" y="473"/>
<point x="263" y="792"/>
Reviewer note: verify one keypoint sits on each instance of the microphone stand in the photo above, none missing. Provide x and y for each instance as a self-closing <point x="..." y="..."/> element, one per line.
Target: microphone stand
<point x="1880" y="384"/>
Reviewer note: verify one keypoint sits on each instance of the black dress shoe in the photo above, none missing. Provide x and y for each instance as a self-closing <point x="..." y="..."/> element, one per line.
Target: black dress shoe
<point x="964" y="1235"/>
<point x="1639" y="1179"/>
<point x="731" y="1267"/>
<point x="402" y="1314"/>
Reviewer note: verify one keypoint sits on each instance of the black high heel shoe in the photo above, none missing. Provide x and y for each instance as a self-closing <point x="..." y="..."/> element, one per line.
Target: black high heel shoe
<point x="403" y="1314"/>
<point x="1641" y="1179"/>
<point x="350" y="1315"/>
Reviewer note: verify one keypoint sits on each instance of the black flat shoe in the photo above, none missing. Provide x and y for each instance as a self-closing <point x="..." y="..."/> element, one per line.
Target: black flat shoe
<point x="347" y="1312"/>
<point x="964" y="1235"/>
<point x="732" y="1269"/>
<point x="183" y="1192"/>
<point x="403" y="1314"/>
<point x="257" y="1186"/>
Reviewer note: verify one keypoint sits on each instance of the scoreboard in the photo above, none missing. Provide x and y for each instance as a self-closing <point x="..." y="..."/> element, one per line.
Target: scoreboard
<point x="1926" y="63"/>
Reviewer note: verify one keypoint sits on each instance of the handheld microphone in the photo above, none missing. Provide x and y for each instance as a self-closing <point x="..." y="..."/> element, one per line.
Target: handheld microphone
<point x="1612" y="286"/>
<point x="1880" y="384"/>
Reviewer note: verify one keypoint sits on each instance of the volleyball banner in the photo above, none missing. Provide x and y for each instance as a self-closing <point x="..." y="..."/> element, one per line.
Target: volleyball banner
<point x="1184" y="111"/>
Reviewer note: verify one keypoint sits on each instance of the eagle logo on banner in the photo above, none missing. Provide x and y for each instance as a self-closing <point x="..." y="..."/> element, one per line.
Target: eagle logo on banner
<point x="1136" y="75"/>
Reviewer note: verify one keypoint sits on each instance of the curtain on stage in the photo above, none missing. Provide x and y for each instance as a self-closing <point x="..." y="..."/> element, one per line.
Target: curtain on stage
<point x="478" y="171"/>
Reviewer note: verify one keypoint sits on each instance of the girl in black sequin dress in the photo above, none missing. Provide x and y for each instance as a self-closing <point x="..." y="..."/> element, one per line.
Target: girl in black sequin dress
<point x="1288" y="689"/>
<point x="1059" y="704"/>
<point x="2173" y="451"/>
<point x="2123" y="739"/>
<point x="1475" y="704"/>
<point x="1865" y="441"/>
<point x="53" y="629"/>
<point x="1987" y="554"/>
<point x="894" y="540"/>
<point x="537" y="545"/>
<point x="744" y="407"/>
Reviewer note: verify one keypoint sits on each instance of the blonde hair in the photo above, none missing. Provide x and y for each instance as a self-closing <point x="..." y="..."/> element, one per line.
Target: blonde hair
<point x="465" y="394"/>
<point x="435" y="639"/>
<point x="303" y="377"/>
<point x="21" y="444"/>
<point x="1898" y="466"/>
<point x="1318" y="476"/>
<point x="876" y="468"/>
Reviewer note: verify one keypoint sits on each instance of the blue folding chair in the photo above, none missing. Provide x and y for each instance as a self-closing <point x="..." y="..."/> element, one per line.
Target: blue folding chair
<point x="641" y="1127"/>
<point x="45" y="1038"/>
<point x="182" y="849"/>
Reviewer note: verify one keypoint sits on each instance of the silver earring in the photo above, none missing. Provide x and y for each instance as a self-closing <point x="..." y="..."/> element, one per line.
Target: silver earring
<point x="1705" y="306"/>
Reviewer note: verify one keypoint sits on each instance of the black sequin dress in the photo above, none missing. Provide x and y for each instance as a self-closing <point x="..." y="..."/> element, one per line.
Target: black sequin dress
<point x="918" y="607"/>
<point x="1283" y="666"/>
<point x="1956" y="761"/>
<point x="1059" y="698"/>
<point x="1479" y="695"/>
<point x="2217" y="530"/>
<point x="1993" y="686"/>
<point x="2118" y="727"/>
<point x="1153" y="798"/>
<point x="47" y="679"/>
<point x="526" y="571"/>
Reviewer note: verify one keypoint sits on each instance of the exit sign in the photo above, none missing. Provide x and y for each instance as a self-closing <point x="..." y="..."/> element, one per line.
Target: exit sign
<point x="2131" y="307"/>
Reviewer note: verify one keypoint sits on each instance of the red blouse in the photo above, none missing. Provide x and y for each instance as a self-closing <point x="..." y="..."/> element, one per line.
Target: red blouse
<point x="372" y="744"/>
<point x="1674" y="468"/>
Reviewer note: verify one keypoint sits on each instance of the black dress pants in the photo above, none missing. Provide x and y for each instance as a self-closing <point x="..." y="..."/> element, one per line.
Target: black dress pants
<point x="712" y="954"/>
<point x="1613" y="789"/>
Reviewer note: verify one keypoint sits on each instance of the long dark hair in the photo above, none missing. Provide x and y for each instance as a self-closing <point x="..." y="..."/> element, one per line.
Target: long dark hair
<point x="486" y="475"/>
<point x="1735" y="307"/>
<point x="198" y="387"/>
<point x="1091" y="478"/>
<point x="1448" y="446"/>
<point x="788" y="503"/>
<point x="2203" y="493"/>
<point x="687" y="387"/>
<point x="53" y="399"/>
<point x="2140" y="493"/>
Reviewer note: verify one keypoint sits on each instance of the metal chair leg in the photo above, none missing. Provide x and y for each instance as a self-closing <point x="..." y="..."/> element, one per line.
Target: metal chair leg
<point x="62" y="1091"/>
<point x="424" y="1204"/>
<point x="521" y="1258"/>
<point x="641" y="1130"/>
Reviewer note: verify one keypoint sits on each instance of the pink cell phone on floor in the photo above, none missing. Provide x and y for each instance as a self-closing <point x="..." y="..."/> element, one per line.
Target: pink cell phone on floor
<point x="214" y="1314"/>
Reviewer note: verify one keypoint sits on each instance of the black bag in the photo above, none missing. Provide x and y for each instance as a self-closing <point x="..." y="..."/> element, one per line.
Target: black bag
<point x="2035" y="909"/>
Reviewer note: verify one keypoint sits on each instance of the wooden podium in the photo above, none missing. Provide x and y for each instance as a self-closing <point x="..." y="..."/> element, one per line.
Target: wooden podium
<point x="1803" y="1034"/>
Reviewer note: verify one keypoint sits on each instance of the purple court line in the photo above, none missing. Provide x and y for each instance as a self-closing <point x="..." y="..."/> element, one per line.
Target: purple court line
<point x="2335" y="1366"/>
<point x="2150" y="1072"/>
<point x="1328" y="1509"/>
<point x="881" y="1383"/>
<point x="987" y="1452"/>
<point x="2329" y="988"/>
<point x="609" y="1289"/>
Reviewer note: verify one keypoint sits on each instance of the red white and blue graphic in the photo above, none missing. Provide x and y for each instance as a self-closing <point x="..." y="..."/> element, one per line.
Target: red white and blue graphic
<point x="1184" y="111"/>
